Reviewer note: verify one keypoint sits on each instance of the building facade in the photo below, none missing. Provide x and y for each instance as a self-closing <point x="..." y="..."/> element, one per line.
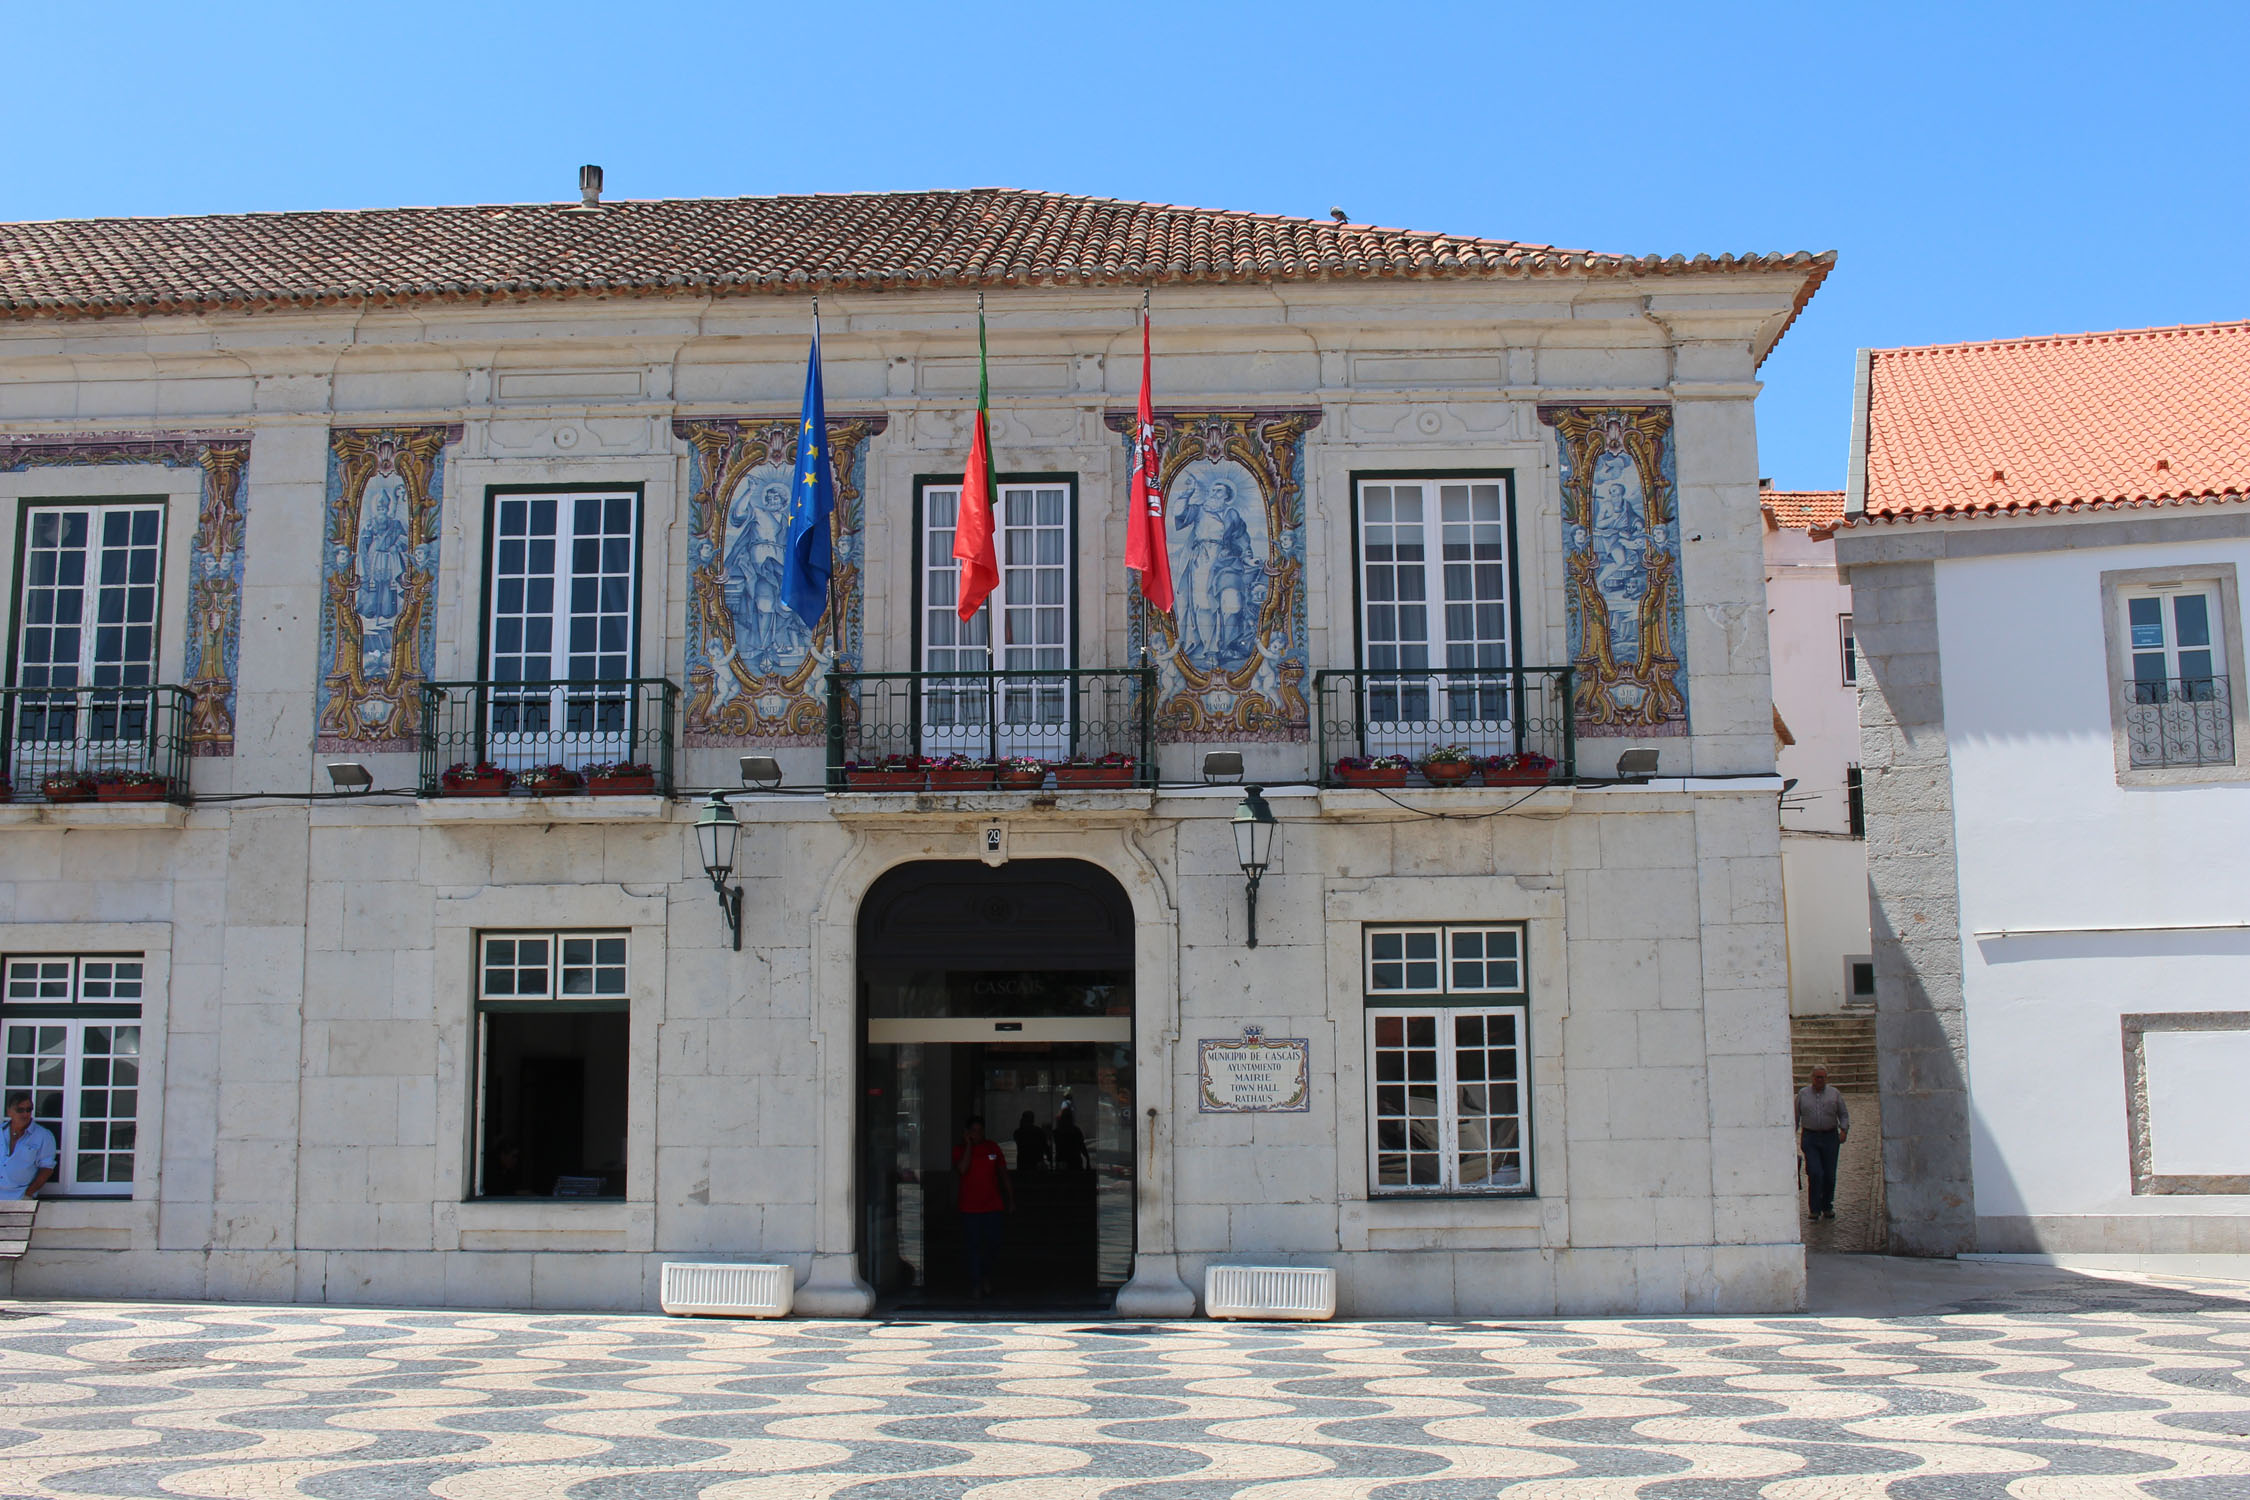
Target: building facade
<point x="2044" y="543"/>
<point x="1816" y="722"/>
<point x="494" y="500"/>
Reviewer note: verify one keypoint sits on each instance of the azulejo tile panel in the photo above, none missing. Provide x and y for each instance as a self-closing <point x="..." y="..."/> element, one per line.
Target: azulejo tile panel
<point x="753" y="670"/>
<point x="214" y="612"/>
<point x="378" y="623"/>
<point x="1621" y="560"/>
<point x="1234" y="656"/>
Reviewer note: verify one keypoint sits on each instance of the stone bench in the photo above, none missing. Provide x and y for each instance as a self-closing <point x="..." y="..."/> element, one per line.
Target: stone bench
<point x="15" y="1227"/>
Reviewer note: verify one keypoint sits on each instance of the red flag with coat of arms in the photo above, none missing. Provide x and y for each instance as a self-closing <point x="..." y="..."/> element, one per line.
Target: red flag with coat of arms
<point x="1145" y="550"/>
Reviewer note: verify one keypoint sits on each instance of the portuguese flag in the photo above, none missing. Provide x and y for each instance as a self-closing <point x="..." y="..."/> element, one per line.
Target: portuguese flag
<point x="972" y="528"/>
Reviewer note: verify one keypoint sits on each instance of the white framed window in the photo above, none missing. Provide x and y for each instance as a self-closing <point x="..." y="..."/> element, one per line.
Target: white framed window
<point x="1436" y="590"/>
<point x="1448" y="1060"/>
<point x="552" y="1038"/>
<point x="562" y="605"/>
<point x="1032" y="528"/>
<point x="72" y="1026"/>
<point x="87" y="617"/>
<point x="1848" y="649"/>
<point x="2174" y="634"/>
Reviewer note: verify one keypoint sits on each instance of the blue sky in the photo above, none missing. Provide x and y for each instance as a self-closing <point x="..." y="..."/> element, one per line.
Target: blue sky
<point x="1983" y="170"/>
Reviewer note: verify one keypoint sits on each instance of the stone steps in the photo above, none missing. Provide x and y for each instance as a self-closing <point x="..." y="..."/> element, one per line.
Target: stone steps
<point x="1846" y="1043"/>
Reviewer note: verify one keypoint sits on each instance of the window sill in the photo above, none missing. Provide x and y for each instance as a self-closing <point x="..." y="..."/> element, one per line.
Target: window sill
<point x="2181" y="775"/>
<point x="1452" y="1221"/>
<point x="85" y="1222"/>
<point x="635" y="809"/>
<point x="93" y="814"/>
<point x="551" y="1224"/>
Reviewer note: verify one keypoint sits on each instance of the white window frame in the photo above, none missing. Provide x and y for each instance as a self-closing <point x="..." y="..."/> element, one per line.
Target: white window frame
<point x="595" y="727"/>
<point x="1488" y="987"/>
<point x="1847" y="646"/>
<point x="607" y="987"/>
<point x="1037" y="598"/>
<point x="1402" y="712"/>
<point x="107" y="990"/>
<point x="2169" y="738"/>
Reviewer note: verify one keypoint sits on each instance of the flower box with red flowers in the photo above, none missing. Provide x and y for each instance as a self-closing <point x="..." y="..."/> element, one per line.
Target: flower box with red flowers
<point x="131" y="786"/>
<point x="961" y="773"/>
<point x="1112" y="770"/>
<point x="550" y="781"/>
<point x="623" y="778"/>
<point x="483" y="779"/>
<point x="893" y="773"/>
<point x="72" y="786"/>
<point x="1524" y="768"/>
<point x="1373" y="770"/>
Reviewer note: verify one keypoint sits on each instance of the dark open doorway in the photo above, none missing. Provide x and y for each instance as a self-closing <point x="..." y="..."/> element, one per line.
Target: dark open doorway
<point x="1005" y="994"/>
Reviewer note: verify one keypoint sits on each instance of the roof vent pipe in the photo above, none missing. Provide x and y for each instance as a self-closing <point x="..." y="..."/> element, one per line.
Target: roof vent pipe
<point x="590" y="186"/>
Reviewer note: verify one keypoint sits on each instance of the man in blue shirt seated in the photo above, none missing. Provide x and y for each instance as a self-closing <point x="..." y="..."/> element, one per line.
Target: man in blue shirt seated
<point x="27" y="1151"/>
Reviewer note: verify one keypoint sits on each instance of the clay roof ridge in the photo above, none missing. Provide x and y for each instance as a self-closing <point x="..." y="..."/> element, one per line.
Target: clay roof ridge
<point x="2059" y="340"/>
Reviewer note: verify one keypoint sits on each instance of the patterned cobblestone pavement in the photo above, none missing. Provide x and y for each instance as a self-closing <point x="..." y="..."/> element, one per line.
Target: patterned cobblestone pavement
<point x="2094" y="1388"/>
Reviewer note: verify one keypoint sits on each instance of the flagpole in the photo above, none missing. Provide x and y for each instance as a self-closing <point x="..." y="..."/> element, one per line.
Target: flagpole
<point x="835" y="615"/>
<point x="1135" y="520"/>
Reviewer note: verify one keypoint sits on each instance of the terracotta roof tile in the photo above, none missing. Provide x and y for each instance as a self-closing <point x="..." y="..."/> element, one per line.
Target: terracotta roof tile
<point x="2144" y="416"/>
<point x="980" y="237"/>
<point x="1804" y="510"/>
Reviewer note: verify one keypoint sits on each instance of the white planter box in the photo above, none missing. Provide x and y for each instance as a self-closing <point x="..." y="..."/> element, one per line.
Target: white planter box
<point x="1306" y="1293"/>
<point x="726" y="1290"/>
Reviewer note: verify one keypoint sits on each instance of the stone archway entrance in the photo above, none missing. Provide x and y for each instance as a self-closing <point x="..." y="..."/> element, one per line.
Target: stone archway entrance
<point x="1007" y="994"/>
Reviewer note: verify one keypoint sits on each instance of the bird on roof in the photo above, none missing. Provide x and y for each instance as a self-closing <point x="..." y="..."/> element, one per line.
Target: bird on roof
<point x="1339" y="216"/>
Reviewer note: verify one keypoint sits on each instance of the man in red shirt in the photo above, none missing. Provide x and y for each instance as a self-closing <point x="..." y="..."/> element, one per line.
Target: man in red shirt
<point x="986" y="1196"/>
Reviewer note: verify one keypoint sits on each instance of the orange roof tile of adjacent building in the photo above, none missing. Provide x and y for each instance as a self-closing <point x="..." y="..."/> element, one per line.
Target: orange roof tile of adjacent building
<point x="2144" y="416"/>
<point x="1804" y="510"/>
<point x="980" y="237"/>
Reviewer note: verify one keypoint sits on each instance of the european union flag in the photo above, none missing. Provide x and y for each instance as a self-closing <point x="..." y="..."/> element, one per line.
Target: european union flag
<point x="808" y="561"/>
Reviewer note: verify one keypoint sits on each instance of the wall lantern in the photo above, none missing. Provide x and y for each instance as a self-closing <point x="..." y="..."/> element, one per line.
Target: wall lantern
<point x="715" y="835"/>
<point x="1254" y="828"/>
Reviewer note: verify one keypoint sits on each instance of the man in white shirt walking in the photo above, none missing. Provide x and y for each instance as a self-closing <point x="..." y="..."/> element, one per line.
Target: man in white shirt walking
<point x="27" y="1151"/>
<point x="1825" y="1122"/>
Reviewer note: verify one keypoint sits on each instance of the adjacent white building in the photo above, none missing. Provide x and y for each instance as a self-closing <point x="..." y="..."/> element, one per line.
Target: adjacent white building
<point x="1816" y="725"/>
<point x="320" y="527"/>
<point x="2045" y="540"/>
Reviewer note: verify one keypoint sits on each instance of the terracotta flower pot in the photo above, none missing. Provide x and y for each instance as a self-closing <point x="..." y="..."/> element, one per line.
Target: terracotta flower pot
<point x="1023" y="781"/>
<point x="883" y="781"/>
<point x="495" y="785"/>
<point x="1517" y="776"/>
<point x="1093" y="776"/>
<point x="1371" y="775"/>
<point x="1448" y="772"/>
<point x="554" y="786"/>
<point x="642" y="785"/>
<point x="961" y="779"/>
<point x="121" y="791"/>
<point x="67" y="789"/>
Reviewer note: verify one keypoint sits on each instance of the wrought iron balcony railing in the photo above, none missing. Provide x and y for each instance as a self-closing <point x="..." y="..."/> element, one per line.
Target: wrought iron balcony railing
<point x="1514" y="723"/>
<point x="2179" y="721"/>
<point x="85" y="744"/>
<point x="620" y="731"/>
<point x="962" y="730"/>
